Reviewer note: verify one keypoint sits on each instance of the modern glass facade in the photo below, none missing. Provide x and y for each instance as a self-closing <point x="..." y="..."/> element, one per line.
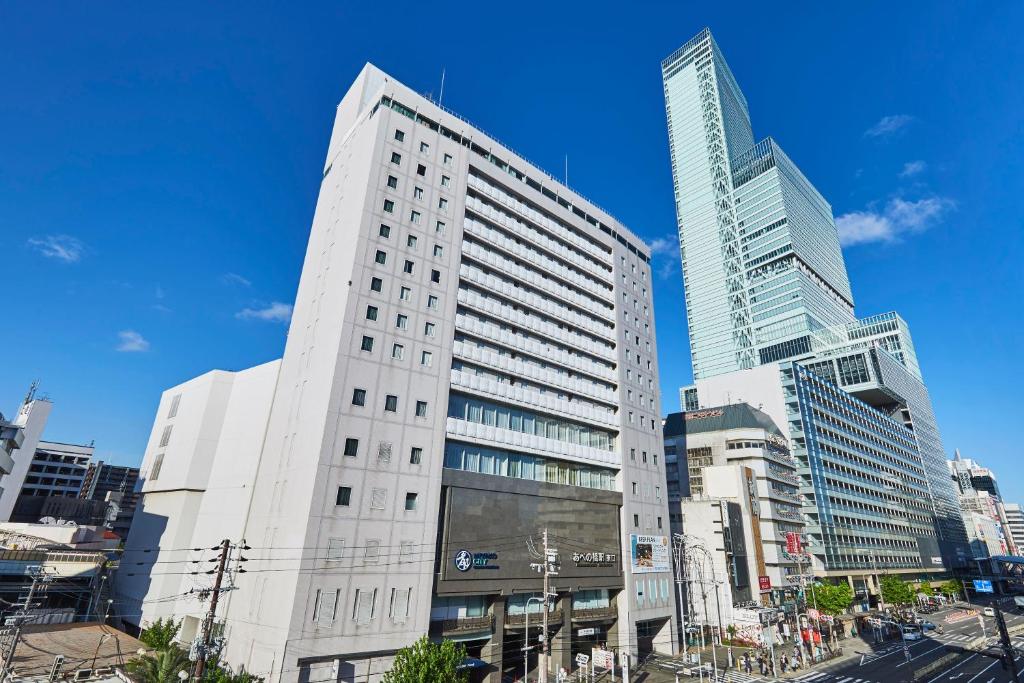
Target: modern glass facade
<point x="764" y="274"/>
<point x="864" y="483"/>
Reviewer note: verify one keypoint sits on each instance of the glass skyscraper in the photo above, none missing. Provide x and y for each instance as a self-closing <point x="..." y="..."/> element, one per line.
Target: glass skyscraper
<point x="765" y="278"/>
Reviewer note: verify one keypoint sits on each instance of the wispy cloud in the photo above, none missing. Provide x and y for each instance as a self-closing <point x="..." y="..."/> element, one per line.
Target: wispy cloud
<point x="132" y="342"/>
<point x="275" y="312"/>
<point x="665" y="255"/>
<point x="913" y="168"/>
<point x="235" y="279"/>
<point x="888" y="125"/>
<point x="895" y="220"/>
<point x="669" y="244"/>
<point x="60" y="247"/>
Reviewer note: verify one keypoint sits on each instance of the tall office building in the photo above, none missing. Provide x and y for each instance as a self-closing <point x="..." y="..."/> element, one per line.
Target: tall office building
<point x="471" y="361"/>
<point x="766" y="284"/>
<point x="115" y="485"/>
<point x="1015" y="524"/>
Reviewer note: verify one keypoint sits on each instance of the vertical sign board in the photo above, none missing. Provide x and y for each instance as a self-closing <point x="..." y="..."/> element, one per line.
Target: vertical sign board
<point x="764" y="583"/>
<point x="649" y="554"/>
<point x="793" y="546"/>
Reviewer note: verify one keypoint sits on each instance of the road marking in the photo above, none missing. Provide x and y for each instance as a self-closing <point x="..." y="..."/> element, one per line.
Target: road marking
<point x="958" y="664"/>
<point x="844" y="680"/>
<point x="983" y="670"/>
<point x="939" y="647"/>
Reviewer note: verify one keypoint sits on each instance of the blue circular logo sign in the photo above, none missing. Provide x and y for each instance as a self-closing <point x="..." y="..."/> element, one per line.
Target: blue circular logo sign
<point x="463" y="560"/>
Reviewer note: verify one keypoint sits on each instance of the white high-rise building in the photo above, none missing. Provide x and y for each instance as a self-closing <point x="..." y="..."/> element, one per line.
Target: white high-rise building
<point x="471" y="361"/>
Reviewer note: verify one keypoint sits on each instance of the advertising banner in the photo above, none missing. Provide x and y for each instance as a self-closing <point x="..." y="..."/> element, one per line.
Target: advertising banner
<point x="793" y="543"/>
<point x="649" y="554"/>
<point x="764" y="583"/>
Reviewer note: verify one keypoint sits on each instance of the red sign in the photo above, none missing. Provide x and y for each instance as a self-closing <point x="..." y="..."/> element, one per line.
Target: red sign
<point x="764" y="582"/>
<point x="793" y="546"/>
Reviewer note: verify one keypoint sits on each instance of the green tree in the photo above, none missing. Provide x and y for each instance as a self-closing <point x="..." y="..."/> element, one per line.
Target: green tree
<point x="427" y="662"/>
<point x="926" y="589"/>
<point x="833" y="599"/>
<point x="159" y="667"/>
<point x="896" y="591"/>
<point x="218" y="673"/>
<point x="950" y="588"/>
<point x="160" y="634"/>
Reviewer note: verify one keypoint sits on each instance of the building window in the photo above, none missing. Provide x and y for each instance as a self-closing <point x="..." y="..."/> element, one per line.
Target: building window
<point x="376" y="284"/>
<point x="385" y="231"/>
<point x="634" y="488"/>
<point x="410" y="501"/>
<point x="402" y="322"/>
<point x="335" y="549"/>
<point x="417" y="193"/>
<point x="175" y="402"/>
<point x="396" y="158"/>
<point x="371" y="553"/>
<point x="389" y="206"/>
<point x="426" y="359"/>
<point x="447" y="159"/>
<point x="644" y="455"/>
<point x="158" y="463"/>
<point x="378" y="498"/>
<point x="421" y="170"/>
<point x="404" y="294"/>
<point x="371" y="312"/>
<point x="435" y="276"/>
<point x="439" y="228"/>
<point x="636" y="520"/>
<point x="408" y="267"/>
<point x="367" y="344"/>
<point x="392" y="182"/>
<point x="657" y="496"/>
<point x="428" y="329"/>
<point x="399" y="135"/>
<point x="415" y="455"/>
<point x="659" y="521"/>
<point x="632" y="454"/>
<point x="424" y="148"/>
<point x="344" y="496"/>
<point x="421" y="408"/>
<point x="432" y="302"/>
<point x="397" y="351"/>
<point x="381" y="257"/>
<point x="391" y="403"/>
<point x="359" y="397"/>
<point x="411" y="241"/>
<point x="165" y="437"/>
<point x="442" y="204"/>
<point x="438" y="251"/>
<point x="351" y="446"/>
<point x="446" y="181"/>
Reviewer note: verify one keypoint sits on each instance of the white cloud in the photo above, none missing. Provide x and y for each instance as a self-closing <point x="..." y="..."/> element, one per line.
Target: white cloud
<point x="888" y="125"/>
<point x="913" y="168"/>
<point x="132" y="341"/>
<point x="669" y="244"/>
<point x="235" y="279"/>
<point x="899" y="217"/>
<point x="61" y="247"/>
<point x="276" y="312"/>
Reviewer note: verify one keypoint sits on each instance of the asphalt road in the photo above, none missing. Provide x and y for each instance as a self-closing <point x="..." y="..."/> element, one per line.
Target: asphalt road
<point x="886" y="662"/>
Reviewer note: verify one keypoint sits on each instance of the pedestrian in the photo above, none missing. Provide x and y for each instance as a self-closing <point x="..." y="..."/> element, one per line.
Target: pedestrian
<point x="783" y="663"/>
<point x="761" y="664"/>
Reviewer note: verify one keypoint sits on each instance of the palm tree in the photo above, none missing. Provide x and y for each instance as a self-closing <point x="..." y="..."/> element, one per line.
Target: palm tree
<point x="159" y="667"/>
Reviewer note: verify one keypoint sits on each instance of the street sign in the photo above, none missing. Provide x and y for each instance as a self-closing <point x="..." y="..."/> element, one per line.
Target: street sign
<point x="586" y="632"/>
<point x="603" y="658"/>
<point x="582" y="659"/>
<point x="982" y="586"/>
<point x="764" y="583"/>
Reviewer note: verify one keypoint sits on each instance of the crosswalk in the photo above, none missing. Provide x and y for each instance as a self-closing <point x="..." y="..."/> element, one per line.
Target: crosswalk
<point x="822" y="677"/>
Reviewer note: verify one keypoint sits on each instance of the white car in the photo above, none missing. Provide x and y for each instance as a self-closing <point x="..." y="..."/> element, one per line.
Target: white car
<point x="988" y="612"/>
<point x="911" y="633"/>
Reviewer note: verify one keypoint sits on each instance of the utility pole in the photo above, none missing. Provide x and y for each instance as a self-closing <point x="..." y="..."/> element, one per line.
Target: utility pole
<point x="225" y="549"/>
<point x="548" y="568"/>
<point x="39" y="576"/>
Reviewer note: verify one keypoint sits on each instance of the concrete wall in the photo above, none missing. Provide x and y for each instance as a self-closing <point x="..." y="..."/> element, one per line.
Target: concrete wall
<point x="32" y="419"/>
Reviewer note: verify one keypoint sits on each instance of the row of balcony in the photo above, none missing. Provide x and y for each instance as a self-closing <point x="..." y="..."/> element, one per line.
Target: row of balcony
<point x="503" y="311"/>
<point x="537" y="218"/>
<point x="530" y="443"/>
<point x="520" y="396"/>
<point x="542" y="264"/>
<point x="536" y="237"/>
<point x="515" y="366"/>
<point x="506" y="286"/>
<point x="533" y="347"/>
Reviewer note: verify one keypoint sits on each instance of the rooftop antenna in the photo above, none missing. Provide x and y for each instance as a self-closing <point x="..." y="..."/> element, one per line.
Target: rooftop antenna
<point x="441" y="96"/>
<point x="567" y="170"/>
<point x="31" y="392"/>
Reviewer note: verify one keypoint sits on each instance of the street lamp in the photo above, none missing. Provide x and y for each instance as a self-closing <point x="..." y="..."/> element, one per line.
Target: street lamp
<point x="526" y="634"/>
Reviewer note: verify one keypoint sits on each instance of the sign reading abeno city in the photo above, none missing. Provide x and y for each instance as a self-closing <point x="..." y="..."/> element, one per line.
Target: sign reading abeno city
<point x="649" y="554"/>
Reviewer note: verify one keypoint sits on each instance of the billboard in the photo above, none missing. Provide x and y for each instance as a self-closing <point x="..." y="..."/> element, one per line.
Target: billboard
<point x="982" y="586"/>
<point x="649" y="554"/>
<point x="793" y="546"/>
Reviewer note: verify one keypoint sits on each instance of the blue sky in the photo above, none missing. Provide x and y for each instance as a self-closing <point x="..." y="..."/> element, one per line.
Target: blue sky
<point x="159" y="169"/>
